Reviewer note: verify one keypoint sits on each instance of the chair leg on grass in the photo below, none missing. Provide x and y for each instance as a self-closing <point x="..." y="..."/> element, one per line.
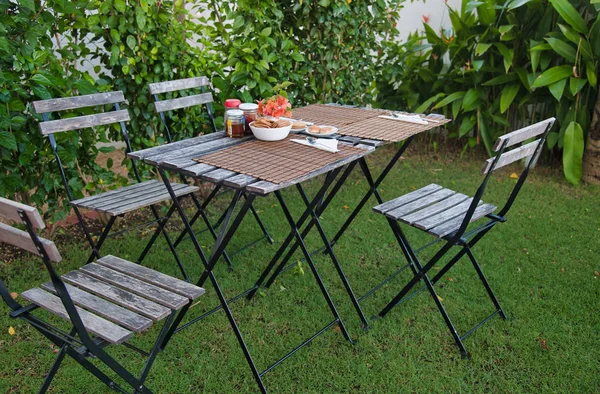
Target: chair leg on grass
<point x="485" y="282"/>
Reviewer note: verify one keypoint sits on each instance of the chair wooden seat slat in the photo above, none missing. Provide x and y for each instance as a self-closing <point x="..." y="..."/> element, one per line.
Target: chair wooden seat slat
<point x="151" y="276"/>
<point x="117" y="295"/>
<point x="97" y="325"/>
<point x="106" y="309"/>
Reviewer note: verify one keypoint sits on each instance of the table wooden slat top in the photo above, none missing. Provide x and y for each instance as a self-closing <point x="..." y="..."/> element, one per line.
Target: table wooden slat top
<point x="390" y="130"/>
<point x="334" y="115"/>
<point x="277" y="161"/>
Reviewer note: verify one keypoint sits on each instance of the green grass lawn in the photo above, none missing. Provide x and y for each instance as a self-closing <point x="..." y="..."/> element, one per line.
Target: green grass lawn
<point x="542" y="265"/>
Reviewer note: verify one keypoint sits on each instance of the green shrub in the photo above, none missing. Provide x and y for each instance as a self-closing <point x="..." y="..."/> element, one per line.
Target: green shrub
<point x="30" y="69"/>
<point x="501" y="65"/>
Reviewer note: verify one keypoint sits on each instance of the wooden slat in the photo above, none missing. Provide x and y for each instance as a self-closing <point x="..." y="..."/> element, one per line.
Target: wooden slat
<point x="136" y="286"/>
<point x="434" y="209"/>
<point x="179" y="190"/>
<point x="82" y="122"/>
<point x="114" y="192"/>
<point x="454" y="224"/>
<point x="218" y="175"/>
<point x="523" y="134"/>
<point x="407" y="198"/>
<point x="444" y="216"/>
<point x="158" y="150"/>
<point x="239" y="181"/>
<point x="183" y="102"/>
<point x="371" y="142"/>
<point x="264" y="187"/>
<point x="151" y="276"/>
<point x="419" y="204"/>
<point x="179" y="84"/>
<point x="89" y="100"/>
<point x="117" y="295"/>
<point x="21" y="239"/>
<point x="350" y="139"/>
<point x="181" y="156"/>
<point x="197" y="169"/>
<point x="9" y="210"/>
<point x="92" y="323"/>
<point x="106" y="309"/>
<point x="511" y="156"/>
<point x="122" y="195"/>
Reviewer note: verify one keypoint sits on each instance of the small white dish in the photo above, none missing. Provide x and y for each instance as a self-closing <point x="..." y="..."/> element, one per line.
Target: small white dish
<point x="334" y="130"/>
<point x="276" y="134"/>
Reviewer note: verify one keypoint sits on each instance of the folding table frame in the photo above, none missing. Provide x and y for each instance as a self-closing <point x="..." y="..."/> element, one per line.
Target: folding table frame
<point x="329" y="244"/>
<point x="227" y="231"/>
<point x="204" y="98"/>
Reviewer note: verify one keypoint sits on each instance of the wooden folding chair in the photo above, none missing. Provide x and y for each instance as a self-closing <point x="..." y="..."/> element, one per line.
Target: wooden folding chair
<point x="107" y="302"/>
<point x="115" y="203"/>
<point x="186" y="99"/>
<point x="446" y="214"/>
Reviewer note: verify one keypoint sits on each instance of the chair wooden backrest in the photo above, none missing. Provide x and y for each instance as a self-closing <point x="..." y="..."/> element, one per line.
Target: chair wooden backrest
<point x="529" y="151"/>
<point x="22" y="239"/>
<point x="50" y="127"/>
<point x="525" y="151"/>
<point x="179" y="85"/>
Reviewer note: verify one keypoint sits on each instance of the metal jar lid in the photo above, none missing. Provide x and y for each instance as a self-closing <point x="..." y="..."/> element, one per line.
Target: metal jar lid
<point x="248" y="107"/>
<point x="235" y="112"/>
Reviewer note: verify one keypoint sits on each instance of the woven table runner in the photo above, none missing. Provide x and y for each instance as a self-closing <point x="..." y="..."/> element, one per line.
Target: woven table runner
<point x="333" y="115"/>
<point x="388" y="129"/>
<point x="275" y="161"/>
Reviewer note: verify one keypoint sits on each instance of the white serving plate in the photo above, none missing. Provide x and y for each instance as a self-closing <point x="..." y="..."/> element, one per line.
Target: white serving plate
<point x="335" y="130"/>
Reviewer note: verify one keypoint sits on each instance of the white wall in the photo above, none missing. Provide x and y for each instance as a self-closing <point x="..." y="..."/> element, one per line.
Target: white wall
<point x="411" y="16"/>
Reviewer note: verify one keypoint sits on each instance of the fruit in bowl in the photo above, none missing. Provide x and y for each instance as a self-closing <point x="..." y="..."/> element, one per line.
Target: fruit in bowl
<point x="270" y="129"/>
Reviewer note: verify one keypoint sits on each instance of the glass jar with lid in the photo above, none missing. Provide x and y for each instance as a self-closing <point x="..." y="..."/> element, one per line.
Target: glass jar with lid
<point x="250" y="113"/>
<point x="235" y="127"/>
<point x="229" y="105"/>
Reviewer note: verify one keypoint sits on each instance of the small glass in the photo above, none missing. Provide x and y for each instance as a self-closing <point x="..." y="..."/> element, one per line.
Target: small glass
<point x="235" y="123"/>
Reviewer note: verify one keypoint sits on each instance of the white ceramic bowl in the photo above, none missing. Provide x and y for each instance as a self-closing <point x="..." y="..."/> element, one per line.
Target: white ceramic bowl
<point x="271" y="134"/>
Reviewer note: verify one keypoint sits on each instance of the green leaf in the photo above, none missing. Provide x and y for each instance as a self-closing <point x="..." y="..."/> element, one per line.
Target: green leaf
<point x="590" y="71"/>
<point x="131" y="42"/>
<point x="324" y="3"/>
<point x="266" y="32"/>
<point x="576" y="84"/>
<point x="85" y="87"/>
<point x="552" y="139"/>
<point x="557" y="89"/>
<point x="456" y="106"/>
<point x="471" y="99"/>
<point x="508" y="96"/>
<point x="517" y="3"/>
<point x="140" y="18"/>
<point x="120" y="5"/>
<point x="297" y="57"/>
<point x="507" y="54"/>
<point x="8" y="140"/>
<point x="502" y="79"/>
<point x="481" y="48"/>
<point x="453" y="97"/>
<point x="466" y="126"/>
<point x="535" y="56"/>
<point x="41" y="79"/>
<point x="570" y="34"/>
<point x="552" y="75"/>
<point x="570" y="15"/>
<point x="29" y="4"/>
<point x="595" y="37"/>
<point x="573" y="152"/>
<point x="106" y="149"/>
<point x="423" y="107"/>
<point x="562" y="48"/>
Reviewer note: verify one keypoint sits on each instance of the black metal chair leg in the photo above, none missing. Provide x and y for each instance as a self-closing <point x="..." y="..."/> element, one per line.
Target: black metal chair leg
<point x="55" y="366"/>
<point x="485" y="282"/>
<point x="100" y="242"/>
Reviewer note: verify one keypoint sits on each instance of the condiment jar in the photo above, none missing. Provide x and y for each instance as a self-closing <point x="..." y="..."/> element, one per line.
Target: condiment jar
<point x="229" y="105"/>
<point x="250" y="113"/>
<point x="235" y="123"/>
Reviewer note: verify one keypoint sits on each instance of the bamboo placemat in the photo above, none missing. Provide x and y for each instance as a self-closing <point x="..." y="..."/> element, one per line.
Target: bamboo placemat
<point x="275" y="161"/>
<point x="388" y="129"/>
<point x="333" y="115"/>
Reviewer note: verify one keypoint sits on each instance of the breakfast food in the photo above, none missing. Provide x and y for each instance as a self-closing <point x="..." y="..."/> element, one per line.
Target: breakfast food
<point x="321" y="129"/>
<point x="270" y="124"/>
<point x="297" y="125"/>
